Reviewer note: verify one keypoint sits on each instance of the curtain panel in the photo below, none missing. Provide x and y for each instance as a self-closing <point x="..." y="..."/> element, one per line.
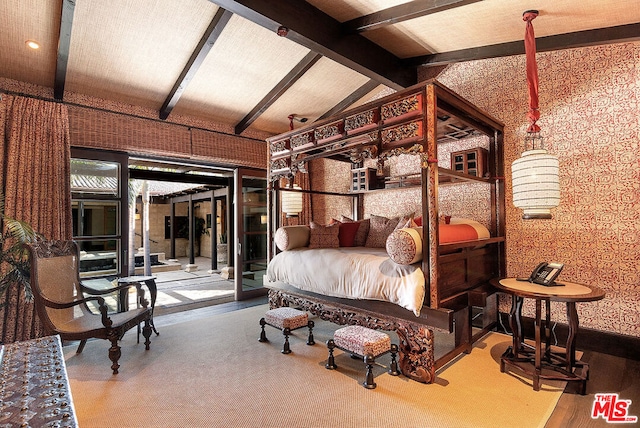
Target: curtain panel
<point x="35" y="155"/>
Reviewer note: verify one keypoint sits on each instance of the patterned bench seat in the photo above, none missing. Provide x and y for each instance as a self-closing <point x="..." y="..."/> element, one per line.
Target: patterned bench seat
<point x="364" y="343"/>
<point x="286" y="319"/>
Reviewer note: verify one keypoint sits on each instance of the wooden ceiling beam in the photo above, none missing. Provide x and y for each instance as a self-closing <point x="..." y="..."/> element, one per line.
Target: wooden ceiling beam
<point x="578" y="39"/>
<point x="400" y="13"/>
<point x="352" y="98"/>
<point x="319" y="32"/>
<point x="285" y="83"/>
<point x="207" y="41"/>
<point x="64" y="42"/>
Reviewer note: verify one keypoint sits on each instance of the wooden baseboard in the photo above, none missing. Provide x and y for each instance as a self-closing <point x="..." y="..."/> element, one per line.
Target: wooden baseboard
<point x="618" y="345"/>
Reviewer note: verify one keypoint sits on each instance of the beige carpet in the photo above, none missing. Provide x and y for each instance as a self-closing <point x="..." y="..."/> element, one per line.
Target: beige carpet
<point x="215" y="373"/>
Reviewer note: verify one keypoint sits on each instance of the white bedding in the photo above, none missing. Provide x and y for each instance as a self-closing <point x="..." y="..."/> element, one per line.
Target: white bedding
<point x="352" y="272"/>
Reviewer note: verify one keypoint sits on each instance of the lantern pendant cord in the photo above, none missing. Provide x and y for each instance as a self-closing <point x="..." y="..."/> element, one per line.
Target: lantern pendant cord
<point x="532" y="71"/>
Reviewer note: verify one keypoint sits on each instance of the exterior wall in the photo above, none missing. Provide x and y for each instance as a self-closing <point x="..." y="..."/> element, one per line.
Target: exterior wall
<point x="589" y="103"/>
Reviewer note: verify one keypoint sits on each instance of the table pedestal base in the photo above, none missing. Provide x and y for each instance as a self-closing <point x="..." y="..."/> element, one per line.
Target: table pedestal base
<point x="544" y="361"/>
<point x="552" y="367"/>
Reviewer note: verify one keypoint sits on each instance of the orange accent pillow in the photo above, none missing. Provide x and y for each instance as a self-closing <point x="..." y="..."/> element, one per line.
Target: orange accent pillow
<point x="456" y="233"/>
<point x="363" y="230"/>
<point x="347" y="233"/>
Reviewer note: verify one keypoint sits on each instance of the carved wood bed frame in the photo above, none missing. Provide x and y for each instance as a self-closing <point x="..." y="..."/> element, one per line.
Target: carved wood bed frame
<point x="412" y="121"/>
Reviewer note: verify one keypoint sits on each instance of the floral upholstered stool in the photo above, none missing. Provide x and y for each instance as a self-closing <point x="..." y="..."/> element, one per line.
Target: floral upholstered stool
<point x="364" y="343"/>
<point x="286" y="319"/>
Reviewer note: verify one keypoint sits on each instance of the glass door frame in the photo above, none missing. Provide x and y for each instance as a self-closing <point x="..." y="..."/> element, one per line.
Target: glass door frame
<point x="122" y="236"/>
<point x="239" y="232"/>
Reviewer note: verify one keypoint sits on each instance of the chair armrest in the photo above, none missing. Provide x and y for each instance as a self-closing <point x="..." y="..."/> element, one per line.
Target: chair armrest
<point x="140" y="291"/>
<point x="106" y="321"/>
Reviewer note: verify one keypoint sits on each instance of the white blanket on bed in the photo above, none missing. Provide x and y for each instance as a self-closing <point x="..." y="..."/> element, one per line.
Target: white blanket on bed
<point x="352" y="272"/>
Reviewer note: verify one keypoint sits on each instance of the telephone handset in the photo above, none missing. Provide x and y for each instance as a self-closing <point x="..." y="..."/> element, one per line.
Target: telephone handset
<point x="545" y="274"/>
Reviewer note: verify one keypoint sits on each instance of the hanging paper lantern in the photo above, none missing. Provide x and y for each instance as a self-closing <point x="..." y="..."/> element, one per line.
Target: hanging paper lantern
<point x="291" y="202"/>
<point x="536" y="183"/>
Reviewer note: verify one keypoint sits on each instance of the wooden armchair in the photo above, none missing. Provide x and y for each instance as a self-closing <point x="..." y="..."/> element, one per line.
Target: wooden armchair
<point x="62" y="306"/>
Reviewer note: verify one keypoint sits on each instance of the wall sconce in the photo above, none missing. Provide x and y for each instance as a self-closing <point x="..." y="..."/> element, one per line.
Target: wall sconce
<point x="263" y="219"/>
<point x="291" y="201"/>
<point x="297" y="118"/>
<point x="535" y="175"/>
<point x="282" y="31"/>
<point x="136" y="216"/>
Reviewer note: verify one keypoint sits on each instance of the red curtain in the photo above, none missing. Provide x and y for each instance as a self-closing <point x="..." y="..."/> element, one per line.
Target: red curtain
<point x="35" y="155"/>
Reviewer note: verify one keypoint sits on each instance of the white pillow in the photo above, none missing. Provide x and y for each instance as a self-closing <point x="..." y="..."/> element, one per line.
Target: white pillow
<point x="290" y="237"/>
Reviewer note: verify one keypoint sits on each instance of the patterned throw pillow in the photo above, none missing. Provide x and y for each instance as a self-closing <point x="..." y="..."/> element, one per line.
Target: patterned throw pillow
<point x="379" y="230"/>
<point x="362" y="233"/>
<point x="406" y="221"/>
<point x="404" y="246"/>
<point x="324" y="236"/>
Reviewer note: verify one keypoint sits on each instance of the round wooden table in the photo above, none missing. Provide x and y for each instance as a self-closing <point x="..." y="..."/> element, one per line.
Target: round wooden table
<point x="538" y="361"/>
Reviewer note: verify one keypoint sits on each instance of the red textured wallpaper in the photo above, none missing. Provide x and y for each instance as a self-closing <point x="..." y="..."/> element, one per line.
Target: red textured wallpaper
<point x="589" y="103"/>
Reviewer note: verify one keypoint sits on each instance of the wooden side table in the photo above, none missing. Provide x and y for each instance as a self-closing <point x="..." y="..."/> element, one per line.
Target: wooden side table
<point x="540" y="361"/>
<point x="150" y="281"/>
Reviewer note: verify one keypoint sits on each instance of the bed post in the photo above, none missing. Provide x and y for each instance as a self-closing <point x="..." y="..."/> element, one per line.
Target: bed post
<point x="429" y="169"/>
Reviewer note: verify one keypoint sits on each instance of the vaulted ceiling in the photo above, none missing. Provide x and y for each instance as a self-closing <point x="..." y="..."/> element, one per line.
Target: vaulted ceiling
<point x="224" y="61"/>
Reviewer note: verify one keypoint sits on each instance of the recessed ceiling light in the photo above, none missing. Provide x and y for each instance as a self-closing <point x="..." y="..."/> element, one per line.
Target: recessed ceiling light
<point x="33" y="44"/>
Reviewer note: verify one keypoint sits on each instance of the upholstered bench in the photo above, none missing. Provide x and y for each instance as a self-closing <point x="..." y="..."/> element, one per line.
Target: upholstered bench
<point x="286" y="319"/>
<point x="364" y="343"/>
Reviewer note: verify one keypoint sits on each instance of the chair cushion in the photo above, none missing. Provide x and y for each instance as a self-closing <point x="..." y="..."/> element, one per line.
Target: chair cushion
<point x="93" y="322"/>
<point x="362" y="341"/>
<point x="286" y="317"/>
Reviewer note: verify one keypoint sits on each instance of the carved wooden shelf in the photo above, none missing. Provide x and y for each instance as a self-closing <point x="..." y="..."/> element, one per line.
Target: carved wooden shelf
<point x="445" y="177"/>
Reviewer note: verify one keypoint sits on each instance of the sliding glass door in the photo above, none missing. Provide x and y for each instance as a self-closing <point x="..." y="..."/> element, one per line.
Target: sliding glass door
<point x="250" y="211"/>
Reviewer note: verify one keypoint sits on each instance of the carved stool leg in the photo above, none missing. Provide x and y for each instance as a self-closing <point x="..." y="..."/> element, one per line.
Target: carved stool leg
<point x="286" y="349"/>
<point x="369" y="383"/>
<point x="310" y="340"/>
<point x="331" y="364"/>
<point x="393" y="368"/>
<point x="263" y="335"/>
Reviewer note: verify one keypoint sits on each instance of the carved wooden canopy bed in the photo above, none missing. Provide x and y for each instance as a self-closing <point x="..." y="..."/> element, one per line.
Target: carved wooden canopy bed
<point x="453" y="276"/>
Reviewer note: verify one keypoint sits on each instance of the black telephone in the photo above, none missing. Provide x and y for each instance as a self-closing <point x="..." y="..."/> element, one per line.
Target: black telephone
<point x="545" y="274"/>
